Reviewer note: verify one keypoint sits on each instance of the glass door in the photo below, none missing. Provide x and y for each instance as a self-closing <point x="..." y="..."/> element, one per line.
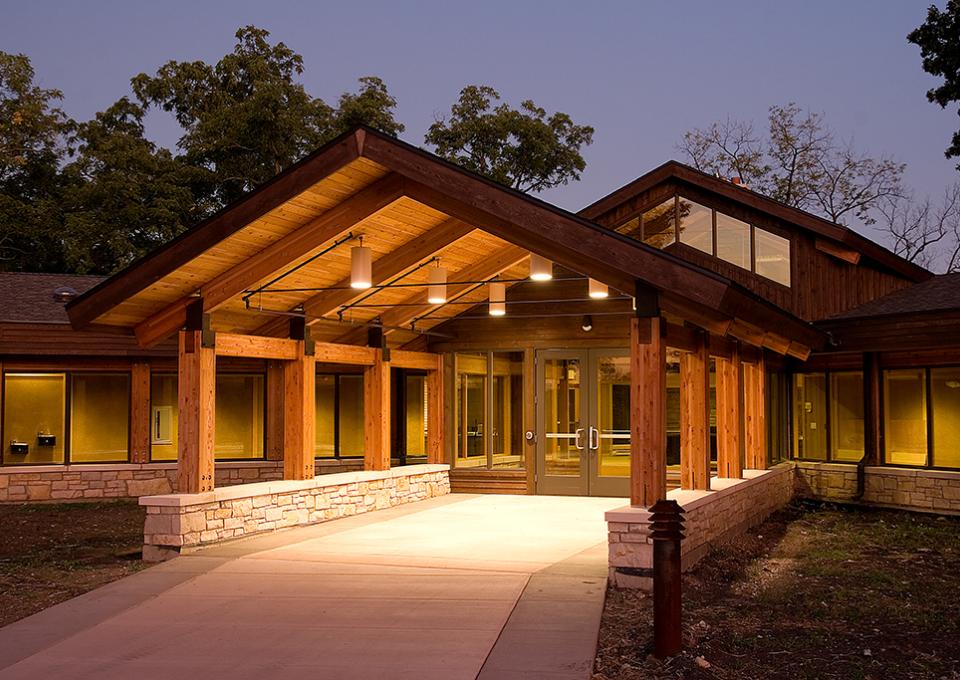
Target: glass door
<point x="608" y="434"/>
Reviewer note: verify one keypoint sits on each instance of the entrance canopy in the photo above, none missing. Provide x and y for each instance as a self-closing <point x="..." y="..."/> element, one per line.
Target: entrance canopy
<point x="285" y="251"/>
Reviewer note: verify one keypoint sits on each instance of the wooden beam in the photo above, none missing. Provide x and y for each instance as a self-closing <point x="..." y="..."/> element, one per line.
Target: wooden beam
<point x="353" y="355"/>
<point x="436" y="422"/>
<point x="695" y="417"/>
<point x="274" y="410"/>
<point x="277" y="256"/>
<point x="798" y="351"/>
<point x="729" y="416"/>
<point x="422" y="361"/>
<point x="416" y="304"/>
<point x="836" y="250"/>
<point x="376" y="414"/>
<point x="754" y="415"/>
<point x="140" y="412"/>
<point x="256" y="347"/>
<point x="196" y="421"/>
<point x="873" y="443"/>
<point x="299" y="415"/>
<point x="648" y="413"/>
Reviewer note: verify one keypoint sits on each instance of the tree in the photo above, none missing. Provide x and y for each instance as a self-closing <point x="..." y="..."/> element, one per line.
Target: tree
<point x="522" y="148"/>
<point x="799" y="163"/>
<point x="32" y="129"/>
<point x="123" y="196"/>
<point x="925" y="232"/>
<point x="939" y="41"/>
<point x="246" y="118"/>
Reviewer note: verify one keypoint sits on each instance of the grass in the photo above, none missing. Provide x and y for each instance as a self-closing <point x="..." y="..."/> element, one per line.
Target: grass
<point x="52" y="552"/>
<point x="815" y="592"/>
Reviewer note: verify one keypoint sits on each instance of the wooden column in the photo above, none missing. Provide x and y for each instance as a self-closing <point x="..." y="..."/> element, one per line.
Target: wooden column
<point x="873" y="444"/>
<point x="376" y="414"/>
<point x="197" y="379"/>
<point x="648" y="414"/>
<point x="729" y="415"/>
<point x="275" y="410"/>
<point x="140" y="412"/>
<point x="754" y="415"/>
<point x="299" y="415"/>
<point x="695" y="417"/>
<point x="436" y="420"/>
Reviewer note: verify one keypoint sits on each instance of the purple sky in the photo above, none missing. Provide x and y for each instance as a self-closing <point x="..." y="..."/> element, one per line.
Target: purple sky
<point x="640" y="72"/>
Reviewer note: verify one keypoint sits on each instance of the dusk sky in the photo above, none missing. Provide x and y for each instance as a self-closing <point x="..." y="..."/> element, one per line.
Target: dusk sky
<point x="640" y="73"/>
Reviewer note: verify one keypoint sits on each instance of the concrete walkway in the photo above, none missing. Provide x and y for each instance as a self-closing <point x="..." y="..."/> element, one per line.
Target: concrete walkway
<point x="455" y="587"/>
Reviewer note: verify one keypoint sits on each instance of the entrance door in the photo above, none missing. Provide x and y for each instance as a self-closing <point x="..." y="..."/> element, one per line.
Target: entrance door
<point x="583" y="411"/>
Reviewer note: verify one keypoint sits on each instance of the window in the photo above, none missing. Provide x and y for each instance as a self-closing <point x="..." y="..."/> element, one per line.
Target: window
<point x="772" y="256"/>
<point x="489" y="410"/>
<point x="34" y="418"/>
<point x="99" y="417"/>
<point x="945" y="413"/>
<point x="339" y="415"/>
<point x="905" y="416"/>
<point x="325" y="444"/>
<point x="846" y="416"/>
<point x="810" y="416"/>
<point x="659" y="225"/>
<point x="695" y="225"/>
<point x="733" y="241"/>
<point x="164" y="412"/>
<point x="415" y="416"/>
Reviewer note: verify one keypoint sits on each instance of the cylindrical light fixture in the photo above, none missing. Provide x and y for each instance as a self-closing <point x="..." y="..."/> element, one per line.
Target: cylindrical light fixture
<point x="498" y="298"/>
<point x="437" y="291"/>
<point x="541" y="269"/>
<point x="361" y="267"/>
<point x="597" y="290"/>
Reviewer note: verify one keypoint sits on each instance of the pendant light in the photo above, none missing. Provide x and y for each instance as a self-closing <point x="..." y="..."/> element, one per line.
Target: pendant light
<point x="498" y="298"/>
<point x="541" y="269"/>
<point x="361" y="267"/>
<point x="597" y="290"/>
<point x="437" y="291"/>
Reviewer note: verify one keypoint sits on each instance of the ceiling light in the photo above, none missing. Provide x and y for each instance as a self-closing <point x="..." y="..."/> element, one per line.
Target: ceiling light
<point x="541" y="269"/>
<point x="437" y="292"/>
<point x="597" y="290"/>
<point x="361" y="267"/>
<point x="587" y="324"/>
<point x="498" y="298"/>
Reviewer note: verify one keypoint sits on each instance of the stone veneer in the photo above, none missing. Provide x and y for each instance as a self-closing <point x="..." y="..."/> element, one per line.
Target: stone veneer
<point x="178" y="521"/>
<point x="908" y="488"/>
<point x="97" y="481"/>
<point x="710" y="517"/>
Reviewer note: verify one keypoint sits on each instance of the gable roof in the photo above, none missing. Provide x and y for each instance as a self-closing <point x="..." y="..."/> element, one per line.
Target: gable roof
<point x="29" y="298"/>
<point x="818" y="226"/>
<point x="511" y="216"/>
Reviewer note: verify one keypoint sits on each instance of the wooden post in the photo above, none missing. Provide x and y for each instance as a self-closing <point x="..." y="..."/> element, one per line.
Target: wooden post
<point x="666" y="530"/>
<point x="873" y="444"/>
<point x="197" y="379"/>
<point x="695" y="417"/>
<point x="729" y="415"/>
<point x="376" y="414"/>
<point x="754" y="415"/>
<point x="299" y="414"/>
<point x="275" y="409"/>
<point x="436" y="421"/>
<point x="648" y="414"/>
<point x="140" y="412"/>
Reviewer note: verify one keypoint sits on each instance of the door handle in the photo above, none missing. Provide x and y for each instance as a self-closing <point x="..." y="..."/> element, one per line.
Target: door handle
<point x="576" y="442"/>
<point x="594" y="438"/>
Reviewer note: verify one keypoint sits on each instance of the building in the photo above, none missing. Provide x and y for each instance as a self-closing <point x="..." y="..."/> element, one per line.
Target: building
<point x="683" y="331"/>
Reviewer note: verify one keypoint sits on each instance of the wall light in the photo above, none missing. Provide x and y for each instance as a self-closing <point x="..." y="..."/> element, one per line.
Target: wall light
<point x="498" y="298"/>
<point x="437" y="292"/>
<point x="541" y="269"/>
<point x="597" y="290"/>
<point x="361" y="267"/>
<point x="587" y="324"/>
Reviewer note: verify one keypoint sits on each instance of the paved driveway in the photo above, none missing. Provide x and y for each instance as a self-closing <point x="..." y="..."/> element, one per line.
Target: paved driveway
<point x="455" y="587"/>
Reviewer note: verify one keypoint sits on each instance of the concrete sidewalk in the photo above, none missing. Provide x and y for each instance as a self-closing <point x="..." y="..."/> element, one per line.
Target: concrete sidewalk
<point x="455" y="587"/>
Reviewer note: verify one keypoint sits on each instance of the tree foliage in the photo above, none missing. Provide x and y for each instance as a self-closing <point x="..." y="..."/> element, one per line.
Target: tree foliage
<point x="939" y="41"/>
<point x="799" y="162"/>
<point x="521" y="148"/>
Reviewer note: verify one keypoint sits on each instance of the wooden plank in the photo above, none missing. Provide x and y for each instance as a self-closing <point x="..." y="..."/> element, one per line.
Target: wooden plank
<point x="274" y="410"/>
<point x="729" y="416"/>
<point x="139" y="412"/>
<point x="648" y="413"/>
<point x="299" y="415"/>
<point x="836" y="250"/>
<point x="196" y="393"/>
<point x="256" y="347"/>
<point x="376" y="414"/>
<point x="695" y="417"/>
<point x="436" y="423"/>
<point x="421" y="361"/>
<point x="754" y="415"/>
<point x="354" y="355"/>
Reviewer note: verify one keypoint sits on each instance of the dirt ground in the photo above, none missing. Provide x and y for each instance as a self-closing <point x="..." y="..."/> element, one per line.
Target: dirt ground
<point x="52" y="552"/>
<point x="815" y="592"/>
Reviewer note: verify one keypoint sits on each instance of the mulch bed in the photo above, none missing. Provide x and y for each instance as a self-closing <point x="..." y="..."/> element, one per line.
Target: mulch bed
<point x="817" y="591"/>
<point x="52" y="552"/>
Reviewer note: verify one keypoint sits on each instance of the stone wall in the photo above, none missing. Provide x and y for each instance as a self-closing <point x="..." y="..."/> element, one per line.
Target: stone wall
<point x="178" y="521"/>
<point x="908" y="488"/>
<point x="38" y="483"/>
<point x="710" y="517"/>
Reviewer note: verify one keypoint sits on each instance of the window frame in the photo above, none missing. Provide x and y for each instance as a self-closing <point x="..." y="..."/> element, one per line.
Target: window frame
<point x="828" y="414"/>
<point x="928" y="394"/>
